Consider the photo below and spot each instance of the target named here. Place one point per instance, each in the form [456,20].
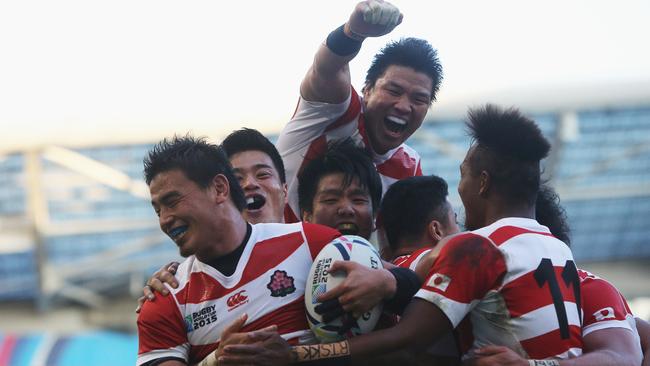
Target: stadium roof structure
[550,98]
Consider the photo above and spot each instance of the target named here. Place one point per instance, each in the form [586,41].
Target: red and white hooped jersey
[517,283]
[314,124]
[268,284]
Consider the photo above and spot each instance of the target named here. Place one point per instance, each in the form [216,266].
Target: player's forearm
[376,343]
[334,55]
[354,351]
[328,80]
[601,358]
[337,353]
[417,329]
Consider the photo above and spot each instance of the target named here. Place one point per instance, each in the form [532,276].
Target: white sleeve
[308,124]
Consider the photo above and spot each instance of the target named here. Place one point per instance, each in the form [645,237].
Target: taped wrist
[342,45]
[408,284]
[322,354]
[543,362]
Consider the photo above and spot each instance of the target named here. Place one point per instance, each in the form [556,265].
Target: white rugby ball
[344,248]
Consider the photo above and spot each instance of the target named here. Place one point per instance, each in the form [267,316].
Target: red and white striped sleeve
[467,268]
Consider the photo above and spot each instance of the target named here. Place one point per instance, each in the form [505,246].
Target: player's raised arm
[328,79]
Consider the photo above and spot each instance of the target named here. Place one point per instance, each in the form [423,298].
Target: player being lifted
[400,86]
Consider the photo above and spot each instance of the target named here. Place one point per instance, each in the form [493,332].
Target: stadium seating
[602,172]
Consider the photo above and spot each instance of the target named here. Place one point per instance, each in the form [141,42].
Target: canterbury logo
[237,300]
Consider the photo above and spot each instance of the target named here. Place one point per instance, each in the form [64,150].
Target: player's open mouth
[255,202]
[348,228]
[178,232]
[395,125]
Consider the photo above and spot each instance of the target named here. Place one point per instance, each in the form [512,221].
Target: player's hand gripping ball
[344,248]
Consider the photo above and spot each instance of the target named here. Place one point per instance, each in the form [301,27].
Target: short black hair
[410,204]
[198,159]
[248,139]
[415,53]
[550,213]
[509,146]
[342,156]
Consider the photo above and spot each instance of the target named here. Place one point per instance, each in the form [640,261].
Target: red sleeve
[160,325]
[602,302]
[318,236]
[470,264]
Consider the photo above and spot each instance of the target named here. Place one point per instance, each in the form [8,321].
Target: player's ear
[484,183]
[306,216]
[365,91]
[220,188]
[285,193]
[435,230]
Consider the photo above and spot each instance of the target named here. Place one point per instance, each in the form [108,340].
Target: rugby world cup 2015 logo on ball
[344,248]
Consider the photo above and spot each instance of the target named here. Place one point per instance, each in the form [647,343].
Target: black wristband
[408,283]
[342,45]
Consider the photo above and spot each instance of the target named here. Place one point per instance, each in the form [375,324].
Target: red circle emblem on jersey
[437,281]
[604,312]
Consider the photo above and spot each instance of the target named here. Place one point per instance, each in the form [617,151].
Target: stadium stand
[76,226]
[97,222]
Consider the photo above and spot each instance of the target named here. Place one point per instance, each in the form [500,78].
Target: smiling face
[347,209]
[265,194]
[396,106]
[186,212]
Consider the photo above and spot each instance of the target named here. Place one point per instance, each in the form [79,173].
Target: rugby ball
[344,248]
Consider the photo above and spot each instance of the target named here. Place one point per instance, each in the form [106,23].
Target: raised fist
[373,18]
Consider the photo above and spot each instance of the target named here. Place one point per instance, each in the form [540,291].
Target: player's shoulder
[411,260]
[402,260]
[317,231]
[318,236]
[159,310]
[463,237]
[263,231]
[592,284]
[587,276]
[312,233]
[409,151]
[466,246]
[184,273]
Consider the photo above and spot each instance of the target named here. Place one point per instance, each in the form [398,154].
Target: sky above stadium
[84,72]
